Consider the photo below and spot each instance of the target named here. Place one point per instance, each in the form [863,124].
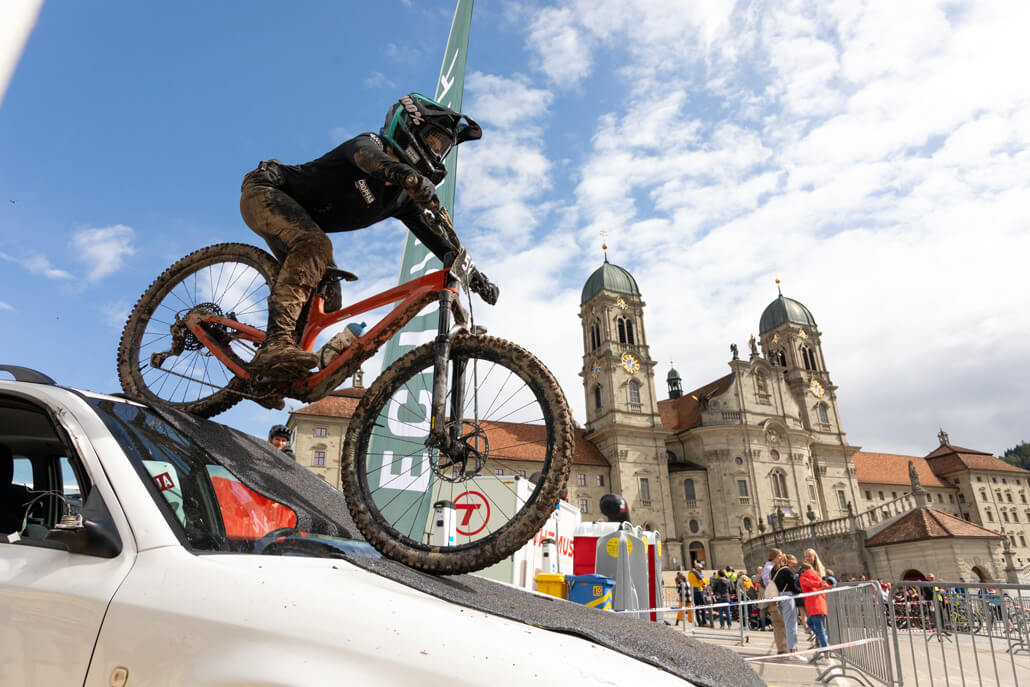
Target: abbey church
[755,457]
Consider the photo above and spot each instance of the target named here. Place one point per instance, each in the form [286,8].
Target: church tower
[792,342]
[622,417]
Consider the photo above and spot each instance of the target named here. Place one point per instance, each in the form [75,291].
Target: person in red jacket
[815,605]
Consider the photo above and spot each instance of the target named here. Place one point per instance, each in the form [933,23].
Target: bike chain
[244,394]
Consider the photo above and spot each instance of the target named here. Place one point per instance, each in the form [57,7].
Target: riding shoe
[280,357]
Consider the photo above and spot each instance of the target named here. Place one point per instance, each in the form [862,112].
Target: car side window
[40,479]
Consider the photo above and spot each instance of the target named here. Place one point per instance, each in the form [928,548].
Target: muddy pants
[302,248]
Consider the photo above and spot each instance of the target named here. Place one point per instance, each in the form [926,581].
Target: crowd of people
[781,576]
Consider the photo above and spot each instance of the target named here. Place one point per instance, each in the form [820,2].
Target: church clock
[630,364]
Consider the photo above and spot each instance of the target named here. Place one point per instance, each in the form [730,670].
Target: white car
[136,552]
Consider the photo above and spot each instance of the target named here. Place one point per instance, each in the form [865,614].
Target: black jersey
[347,189]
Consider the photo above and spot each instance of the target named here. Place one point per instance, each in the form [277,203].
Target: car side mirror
[90,538]
[91,532]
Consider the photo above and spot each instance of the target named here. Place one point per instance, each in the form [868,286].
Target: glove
[421,190]
[478,283]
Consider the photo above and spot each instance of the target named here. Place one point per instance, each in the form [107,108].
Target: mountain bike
[456,420]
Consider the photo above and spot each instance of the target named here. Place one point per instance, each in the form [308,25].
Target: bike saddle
[334,274]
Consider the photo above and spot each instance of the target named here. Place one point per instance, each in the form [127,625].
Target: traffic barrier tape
[753,602]
[818,650]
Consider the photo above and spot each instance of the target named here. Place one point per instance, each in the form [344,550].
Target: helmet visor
[438,141]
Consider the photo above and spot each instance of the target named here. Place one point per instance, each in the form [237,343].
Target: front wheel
[515,422]
[160,360]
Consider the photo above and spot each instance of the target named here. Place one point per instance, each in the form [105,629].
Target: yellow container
[552,584]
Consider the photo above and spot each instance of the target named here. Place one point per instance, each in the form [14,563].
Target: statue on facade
[779,518]
[913,476]
[851,510]
[811,514]
[943,436]
[754,347]
[734,351]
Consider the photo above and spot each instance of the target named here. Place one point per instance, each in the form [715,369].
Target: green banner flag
[400,475]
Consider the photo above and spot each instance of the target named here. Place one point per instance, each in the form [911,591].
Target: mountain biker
[279,436]
[360,182]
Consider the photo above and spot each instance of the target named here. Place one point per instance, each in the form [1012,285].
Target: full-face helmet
[280,431]
[423,132]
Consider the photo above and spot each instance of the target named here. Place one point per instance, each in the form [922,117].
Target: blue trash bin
[591,590]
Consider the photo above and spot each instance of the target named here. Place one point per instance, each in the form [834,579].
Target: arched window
[760,382]
[779,358]
[747,524]
[695,526]
[824,417]
[779,484]
[807,358]
[595,335]
[625,327]
[597,396]
[634,392]
[688,490]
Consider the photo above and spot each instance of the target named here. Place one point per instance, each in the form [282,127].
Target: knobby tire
[510,537]
[129,365]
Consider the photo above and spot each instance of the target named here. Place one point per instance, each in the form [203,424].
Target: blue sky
[873,157]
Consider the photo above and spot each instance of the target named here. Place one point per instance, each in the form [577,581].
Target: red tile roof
[508,440]
[683,413]
[339,403]
[928,523]
[947,458]
[891,468]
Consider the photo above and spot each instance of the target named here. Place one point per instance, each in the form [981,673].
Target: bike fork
[439,436]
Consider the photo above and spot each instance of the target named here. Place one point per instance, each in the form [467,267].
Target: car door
[52,602]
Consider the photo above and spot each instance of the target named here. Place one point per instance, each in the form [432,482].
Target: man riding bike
[360,182]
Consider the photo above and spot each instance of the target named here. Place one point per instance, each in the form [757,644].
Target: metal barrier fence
[857,625]
[958,633]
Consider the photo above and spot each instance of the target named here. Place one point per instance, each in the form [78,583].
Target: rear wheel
[516,422]
[160,360]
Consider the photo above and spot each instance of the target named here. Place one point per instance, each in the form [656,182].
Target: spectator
[280,437]
[696,579]
[721,592]
[682,594]
[815,605]
[779,627]
[771,562]
[786,584]
[829,578]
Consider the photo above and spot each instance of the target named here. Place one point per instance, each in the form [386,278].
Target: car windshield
[212,507]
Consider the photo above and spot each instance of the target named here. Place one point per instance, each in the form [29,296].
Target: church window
[868,495]
[747,524]
[634,392]
[1023,496]
[990,516]
[1008,497]
[842,499]
[807,360]
[881,495]
[779,484]
[1015,516]
[694,526]
[742,487]
[894,494]
[1022,540]
[625,329]
[645,491]
[581,480]
[1005,515]
[779,358]
[824,417]
[811,491]
[629,332]
[597,397]
[584,506]
[595,335]
[688,490]
[774,454]
[738,460]
[622,330]
[599,480]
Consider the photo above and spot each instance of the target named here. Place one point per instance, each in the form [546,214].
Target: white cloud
[103,250]
[875,156]
[6,306]
[38,264]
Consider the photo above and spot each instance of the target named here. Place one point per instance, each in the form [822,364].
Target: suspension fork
[439,437]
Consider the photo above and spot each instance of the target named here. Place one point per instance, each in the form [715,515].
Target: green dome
[673,376]
[784,310]
[610,277]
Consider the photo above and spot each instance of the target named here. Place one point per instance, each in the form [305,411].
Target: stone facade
[758,450]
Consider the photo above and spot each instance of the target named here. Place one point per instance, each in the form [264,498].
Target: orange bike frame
[409,293]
